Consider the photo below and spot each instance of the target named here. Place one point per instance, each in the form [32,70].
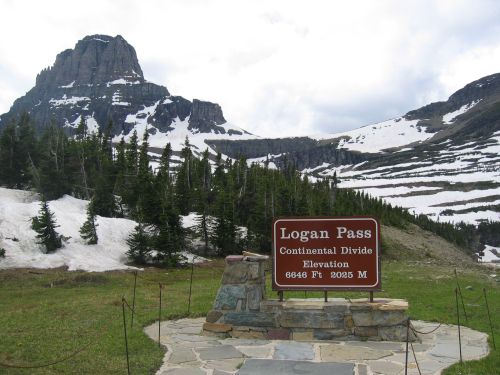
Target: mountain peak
[96,59]
[100,82]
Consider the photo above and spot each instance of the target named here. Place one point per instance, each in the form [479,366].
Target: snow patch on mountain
[491,255]
[140,118]
[425,184]
[180,130]
[117,99]
[101,40]
[266,159]
[449,118]
[68,86]
[375,138]
[71,101]
[73,124]
[122,81]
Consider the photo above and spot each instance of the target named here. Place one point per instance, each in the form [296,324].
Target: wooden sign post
[326,253]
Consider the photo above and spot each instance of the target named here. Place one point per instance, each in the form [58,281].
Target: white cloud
[276,67]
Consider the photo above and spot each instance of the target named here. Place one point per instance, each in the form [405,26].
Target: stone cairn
[241,310]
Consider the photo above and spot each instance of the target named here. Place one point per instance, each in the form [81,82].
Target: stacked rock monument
[241,310]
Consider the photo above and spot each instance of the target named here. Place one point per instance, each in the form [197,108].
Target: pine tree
[130,196]
[148,202]
[121,170]
[203,228]
[88,230]
[27,150]
[81,130]
[103,201]
[168,240]
[18,152]
[54,181]
[203,225]
[45,225]
[8,161]
[183,183]
[224,235]
[139,245]
[131,154]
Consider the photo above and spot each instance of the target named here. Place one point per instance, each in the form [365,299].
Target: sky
[277,67]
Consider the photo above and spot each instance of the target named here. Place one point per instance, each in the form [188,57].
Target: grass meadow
[54,315]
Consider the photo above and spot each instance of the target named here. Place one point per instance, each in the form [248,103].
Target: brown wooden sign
[326,253]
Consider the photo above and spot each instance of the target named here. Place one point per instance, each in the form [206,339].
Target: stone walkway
[192,354]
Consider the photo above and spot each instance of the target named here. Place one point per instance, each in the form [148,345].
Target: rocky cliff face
[96,59]
[99,81]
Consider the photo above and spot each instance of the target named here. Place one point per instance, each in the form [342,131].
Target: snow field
[19,240]
[377,137]
[491,254]
[177,136]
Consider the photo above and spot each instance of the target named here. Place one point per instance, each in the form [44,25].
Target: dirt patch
[418,244]
[84,279]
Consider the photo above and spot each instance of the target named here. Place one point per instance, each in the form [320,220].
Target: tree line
[230,196]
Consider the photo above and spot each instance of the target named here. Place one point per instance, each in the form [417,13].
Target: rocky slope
[99,81]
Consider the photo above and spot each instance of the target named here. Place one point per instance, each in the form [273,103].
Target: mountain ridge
[441,160]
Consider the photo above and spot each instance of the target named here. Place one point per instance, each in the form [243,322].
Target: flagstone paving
[189,353]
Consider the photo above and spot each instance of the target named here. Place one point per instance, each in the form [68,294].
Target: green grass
[48,314]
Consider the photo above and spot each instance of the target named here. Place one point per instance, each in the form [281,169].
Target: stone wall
[242,311]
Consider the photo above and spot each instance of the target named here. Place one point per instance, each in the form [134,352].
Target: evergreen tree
[104,201]
[81,130]
[163,180]
[164,167]
[18,153]
[27,150]
[121,171]
[132,155]
[224,235]
[203,228]
[45,225]
[139,245]
[8,162]
[106,142]
[88,230]
[130,184]
[184,183]
[168,240]
[54,179]
[148,202]
[204,223]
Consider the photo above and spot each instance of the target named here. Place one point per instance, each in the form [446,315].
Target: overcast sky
[277,68]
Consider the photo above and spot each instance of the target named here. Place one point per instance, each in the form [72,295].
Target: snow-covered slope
[491,255]
[452,184]
[377,137]
[19,241]
[442,160]
[21,249]
[180,130]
